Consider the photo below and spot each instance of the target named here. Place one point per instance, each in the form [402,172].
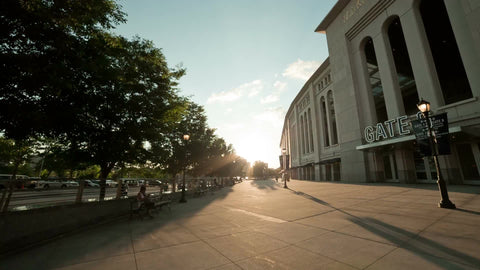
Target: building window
[375,81]
[403,66]
[307,135]
[336,171]
[328,172]
[302,134]
[310,129]
[326,139]
[448,62]
[333,121]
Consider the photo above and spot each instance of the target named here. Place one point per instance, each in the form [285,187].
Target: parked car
[110,183]
[47,184]
[91,183]
[19,182]
[69,183]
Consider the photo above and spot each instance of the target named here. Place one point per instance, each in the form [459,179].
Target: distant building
[351,120]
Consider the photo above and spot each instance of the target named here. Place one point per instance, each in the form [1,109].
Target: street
[28,199]
[261,225]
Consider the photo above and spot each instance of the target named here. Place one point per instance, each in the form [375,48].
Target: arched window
[326,139]
[375,81]
[302,133]
[333,121]
[403,66]
[310,131]
[448,63]
[307,144]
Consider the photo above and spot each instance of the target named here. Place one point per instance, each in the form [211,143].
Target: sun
[253,147]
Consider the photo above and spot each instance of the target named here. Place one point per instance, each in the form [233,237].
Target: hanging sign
[440,141]
[421,135]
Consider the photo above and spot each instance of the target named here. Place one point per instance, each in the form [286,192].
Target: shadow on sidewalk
[427,249]
[468,211]
[264,184]
[423,247]
[119,238]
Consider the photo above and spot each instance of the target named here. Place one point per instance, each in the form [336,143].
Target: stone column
[367,107]
[318,173]
[405,164]
[466,45]
[388,75]
[423,66]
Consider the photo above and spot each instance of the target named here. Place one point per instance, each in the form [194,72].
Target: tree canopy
[96,98]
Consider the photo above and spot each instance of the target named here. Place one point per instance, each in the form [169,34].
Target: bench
[199,192]
[135,210]
[160,201]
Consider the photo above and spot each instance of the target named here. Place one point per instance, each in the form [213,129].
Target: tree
[14,154]
[131,104]
[259,169]
[75,82]
[41,51]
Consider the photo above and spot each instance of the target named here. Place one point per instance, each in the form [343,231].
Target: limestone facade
[345,124]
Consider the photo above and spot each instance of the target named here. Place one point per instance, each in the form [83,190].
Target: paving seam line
[323,255]
[205,242]
[169,246]
[133,245]
[417,235]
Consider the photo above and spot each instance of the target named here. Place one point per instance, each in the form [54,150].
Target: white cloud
[280,86]
[269,99]
[249,89]
[274,116]
[301,69]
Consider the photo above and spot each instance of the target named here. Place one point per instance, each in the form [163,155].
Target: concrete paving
[261,225]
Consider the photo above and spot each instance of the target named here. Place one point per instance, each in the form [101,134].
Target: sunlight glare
[254,147]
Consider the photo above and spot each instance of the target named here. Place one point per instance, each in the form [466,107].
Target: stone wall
[23,228]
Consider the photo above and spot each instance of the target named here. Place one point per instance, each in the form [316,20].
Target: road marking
[266,218]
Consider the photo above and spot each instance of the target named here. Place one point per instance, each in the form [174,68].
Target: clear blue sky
[246,60]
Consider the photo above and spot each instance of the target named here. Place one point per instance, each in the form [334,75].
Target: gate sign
[439,125]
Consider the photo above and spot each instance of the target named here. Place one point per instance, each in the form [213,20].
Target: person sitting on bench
[142,198]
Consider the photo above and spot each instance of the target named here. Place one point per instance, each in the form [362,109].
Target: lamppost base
[446,204]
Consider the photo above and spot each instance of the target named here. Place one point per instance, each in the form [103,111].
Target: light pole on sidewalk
[284,154]
[186,137]
[424,107]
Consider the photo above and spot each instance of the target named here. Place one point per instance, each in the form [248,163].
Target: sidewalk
[261,225]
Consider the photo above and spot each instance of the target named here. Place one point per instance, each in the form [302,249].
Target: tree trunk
[105,169]
[173,183]
[81,187]
[11,187]
[4,194]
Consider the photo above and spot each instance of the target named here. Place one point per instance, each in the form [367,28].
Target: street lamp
[284,154]
[186,137]
[424,107]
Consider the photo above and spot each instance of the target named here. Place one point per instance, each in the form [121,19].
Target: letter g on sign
[369,136]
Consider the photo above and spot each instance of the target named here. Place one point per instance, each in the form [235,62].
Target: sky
[245,60]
